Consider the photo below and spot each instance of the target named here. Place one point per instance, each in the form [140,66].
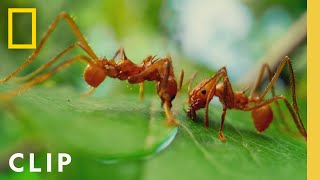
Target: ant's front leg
[223,115]
[221,136]
[228,101]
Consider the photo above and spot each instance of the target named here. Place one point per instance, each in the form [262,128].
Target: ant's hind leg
[48,64]
[285,61]
[293,112]
[53,25]
[45,76]
[266,68]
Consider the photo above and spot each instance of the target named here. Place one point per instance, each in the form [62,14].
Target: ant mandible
[219,86]
[151,69]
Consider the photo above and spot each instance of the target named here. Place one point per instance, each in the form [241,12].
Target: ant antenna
[191,81]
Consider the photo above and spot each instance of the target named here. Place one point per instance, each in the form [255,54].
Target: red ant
[261,112]
[151,69]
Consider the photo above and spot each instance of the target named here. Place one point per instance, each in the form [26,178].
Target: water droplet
[144,153]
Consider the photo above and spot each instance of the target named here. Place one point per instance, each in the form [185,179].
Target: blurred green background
[201,36]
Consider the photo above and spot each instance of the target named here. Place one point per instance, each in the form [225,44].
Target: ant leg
[211,92]
[161,66]
[226,99]
[167,67]
[181,80]
[180,83]
[121,54]
[222,72]
[292,111]
[48,64]
[227,96]
[228,92]
[266,68]
[157,66]
[179,90]
[47,75]
[190,81]
[170,120]
[75,30]
[206,121]
[53,25]
[221,136]
[149,60]
[141,91]
[285,61]
[164,84]
[88,93]
[145,73]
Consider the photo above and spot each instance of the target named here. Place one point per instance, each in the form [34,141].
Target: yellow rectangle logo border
[33,44]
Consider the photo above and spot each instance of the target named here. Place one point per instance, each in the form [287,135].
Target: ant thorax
[233,100]
[240,100]
[127,69]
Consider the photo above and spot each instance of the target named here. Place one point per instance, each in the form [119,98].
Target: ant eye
[204,91]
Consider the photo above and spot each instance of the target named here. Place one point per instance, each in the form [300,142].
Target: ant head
[199,95]
[95,73]
[168,92]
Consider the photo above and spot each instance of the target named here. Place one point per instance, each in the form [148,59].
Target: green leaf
[110,127]
[199,154]
[99,130]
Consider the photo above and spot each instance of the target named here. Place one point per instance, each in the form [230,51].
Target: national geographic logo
[33,44]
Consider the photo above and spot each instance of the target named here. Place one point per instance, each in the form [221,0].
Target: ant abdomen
[94,75]
[262,117]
